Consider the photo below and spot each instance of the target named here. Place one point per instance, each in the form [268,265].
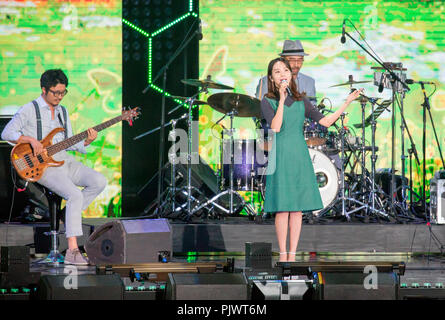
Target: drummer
[294,53]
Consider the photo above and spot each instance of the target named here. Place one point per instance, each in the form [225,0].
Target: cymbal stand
[403,156]
[374,190]
[230,190]
[191,101]
[343,197]
[363,103]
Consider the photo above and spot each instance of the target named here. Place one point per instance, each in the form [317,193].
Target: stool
[54,202]
[36,191]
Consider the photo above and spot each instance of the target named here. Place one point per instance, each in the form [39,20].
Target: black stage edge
[231,235]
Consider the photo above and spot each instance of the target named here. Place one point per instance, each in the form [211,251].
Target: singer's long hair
[272,89]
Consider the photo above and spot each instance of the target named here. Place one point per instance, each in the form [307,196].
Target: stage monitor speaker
[282,290]
[437,200]
[14,259]
[130,241]
[207,286]
[356,286]
[80,287]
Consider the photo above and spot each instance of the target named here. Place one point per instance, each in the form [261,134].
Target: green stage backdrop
[82,37]
[241,37]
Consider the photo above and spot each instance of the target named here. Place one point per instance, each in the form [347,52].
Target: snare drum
[314,134]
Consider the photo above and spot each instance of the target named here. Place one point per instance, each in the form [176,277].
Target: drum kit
[339,160]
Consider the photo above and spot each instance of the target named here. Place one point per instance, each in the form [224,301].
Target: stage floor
[418,247]
[231,234]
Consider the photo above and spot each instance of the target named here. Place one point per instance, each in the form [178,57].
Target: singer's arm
[327,121]
[274,119]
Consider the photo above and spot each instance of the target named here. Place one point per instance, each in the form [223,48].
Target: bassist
[36,120]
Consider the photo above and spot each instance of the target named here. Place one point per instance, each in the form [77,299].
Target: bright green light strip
[135,28]
[166,94]
[150,60]
[171,24]
[150,47]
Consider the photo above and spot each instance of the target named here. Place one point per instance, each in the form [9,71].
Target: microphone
[287,88]
[381,84]
[343,38]
[321,105]
[411,81]
[200,30]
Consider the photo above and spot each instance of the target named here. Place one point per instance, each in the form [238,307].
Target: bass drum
[328,179]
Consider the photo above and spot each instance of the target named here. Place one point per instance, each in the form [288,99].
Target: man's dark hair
[51,78]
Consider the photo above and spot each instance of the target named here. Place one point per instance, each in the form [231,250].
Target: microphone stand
[394,78]
[426,106]
[162,125]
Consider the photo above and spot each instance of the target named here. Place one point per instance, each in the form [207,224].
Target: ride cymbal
[206,83]
[243,105]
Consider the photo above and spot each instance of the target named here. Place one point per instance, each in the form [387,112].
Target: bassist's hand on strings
[36,145]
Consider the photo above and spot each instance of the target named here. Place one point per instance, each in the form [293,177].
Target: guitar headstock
[131,114]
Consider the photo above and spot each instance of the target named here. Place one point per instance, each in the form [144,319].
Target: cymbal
[205,83]
[196,102]
[349,83]
[244,105]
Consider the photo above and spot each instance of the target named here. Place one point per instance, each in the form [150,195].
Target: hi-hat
[207,83]
[196,102]
[243,105]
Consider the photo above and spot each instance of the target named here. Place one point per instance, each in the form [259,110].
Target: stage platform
[412,246]
[231,234]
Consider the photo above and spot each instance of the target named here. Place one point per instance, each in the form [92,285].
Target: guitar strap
[39,120]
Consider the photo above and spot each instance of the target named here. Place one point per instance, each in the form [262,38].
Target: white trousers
[65,180]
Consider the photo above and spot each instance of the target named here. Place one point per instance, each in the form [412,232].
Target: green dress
[291,184]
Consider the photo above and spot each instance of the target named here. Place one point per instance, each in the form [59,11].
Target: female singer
[291,185]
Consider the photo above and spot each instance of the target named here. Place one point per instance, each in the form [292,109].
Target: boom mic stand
[426,106]
[394,78]
[162,125]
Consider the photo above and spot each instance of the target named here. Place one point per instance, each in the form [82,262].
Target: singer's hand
[282,89]
[354,95]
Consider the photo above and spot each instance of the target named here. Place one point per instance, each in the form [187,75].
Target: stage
[348,246]
[230,235]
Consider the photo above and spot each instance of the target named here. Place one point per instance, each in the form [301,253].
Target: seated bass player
[37,119]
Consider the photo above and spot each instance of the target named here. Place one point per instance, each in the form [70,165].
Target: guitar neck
[65,144]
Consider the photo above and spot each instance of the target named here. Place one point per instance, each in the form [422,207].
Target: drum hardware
[230,191]
[342,199]
[163,72]
[206,83]
[244,105]
[350,82]
[395,71]
[186,99]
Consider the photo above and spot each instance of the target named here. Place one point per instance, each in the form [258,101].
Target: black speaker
[282,290]
[130,241]
[81,287]
[383,179]
[15,259]
[207,286]
[355,286]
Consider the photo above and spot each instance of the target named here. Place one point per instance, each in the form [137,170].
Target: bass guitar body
[30,167]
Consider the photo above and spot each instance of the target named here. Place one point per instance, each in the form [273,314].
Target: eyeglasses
[58,93]
[295,60]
